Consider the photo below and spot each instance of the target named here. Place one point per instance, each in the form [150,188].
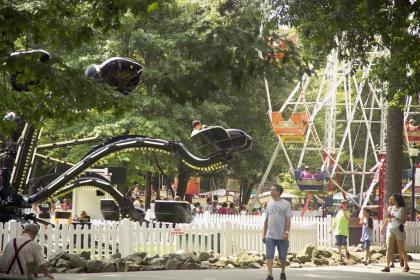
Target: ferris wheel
[337,120]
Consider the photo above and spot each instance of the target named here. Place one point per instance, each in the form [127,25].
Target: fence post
[227,231]
[125,240]
[327,230]
[15,229]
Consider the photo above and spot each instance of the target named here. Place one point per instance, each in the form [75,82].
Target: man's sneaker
[283,276]
[269,277]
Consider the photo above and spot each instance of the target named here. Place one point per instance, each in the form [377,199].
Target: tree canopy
[200,61]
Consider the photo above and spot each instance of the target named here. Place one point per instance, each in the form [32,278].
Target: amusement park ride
[334,123]
[19,152]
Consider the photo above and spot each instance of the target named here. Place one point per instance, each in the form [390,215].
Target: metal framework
[343,112]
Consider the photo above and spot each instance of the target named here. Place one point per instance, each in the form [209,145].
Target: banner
[291,130]
[193,186]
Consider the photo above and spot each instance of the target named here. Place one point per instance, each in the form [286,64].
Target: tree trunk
[394,152]
[240,191]
[246,188]
[155,186]
[148,190]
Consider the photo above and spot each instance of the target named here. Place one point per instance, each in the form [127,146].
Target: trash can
[355,231]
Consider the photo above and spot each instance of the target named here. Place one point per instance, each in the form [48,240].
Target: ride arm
[124,204]
[24,157]
[123,143]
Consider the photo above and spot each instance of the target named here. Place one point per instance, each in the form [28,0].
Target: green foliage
[200,62]
[57,25]
[356,27]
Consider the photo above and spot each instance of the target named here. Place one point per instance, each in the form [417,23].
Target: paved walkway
[359,272]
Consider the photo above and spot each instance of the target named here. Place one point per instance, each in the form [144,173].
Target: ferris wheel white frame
[336,74]
[333,70]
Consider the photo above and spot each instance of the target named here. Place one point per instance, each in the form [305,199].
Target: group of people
[47,208]
[276,229]
[278,222]
[213,207]
[393,228]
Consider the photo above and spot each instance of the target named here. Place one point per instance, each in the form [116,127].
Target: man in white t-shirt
[276,230]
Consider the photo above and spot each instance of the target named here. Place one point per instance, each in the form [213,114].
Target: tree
[60,27]
[354,28]
[200,62]
[203,55]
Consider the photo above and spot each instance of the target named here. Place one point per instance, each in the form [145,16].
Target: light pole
[413,153]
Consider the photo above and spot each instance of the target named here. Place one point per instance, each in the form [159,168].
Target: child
[367,232]
[340,227]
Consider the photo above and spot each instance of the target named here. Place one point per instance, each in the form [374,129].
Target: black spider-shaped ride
[216,144]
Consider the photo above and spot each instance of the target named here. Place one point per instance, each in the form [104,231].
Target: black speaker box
[119,175]
[110,210]
[173,211]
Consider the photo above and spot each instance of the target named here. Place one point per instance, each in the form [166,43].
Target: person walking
[23,252]
[395,231]
[340,227]
[276,230]
[367,233]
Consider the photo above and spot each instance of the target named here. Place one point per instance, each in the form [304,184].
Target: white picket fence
[412,234]
[304,231]
[315,213]
[225,234]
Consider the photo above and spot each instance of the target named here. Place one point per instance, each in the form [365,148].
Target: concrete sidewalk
[357,272]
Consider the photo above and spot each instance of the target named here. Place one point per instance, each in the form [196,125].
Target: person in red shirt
[232,210]
[223,210]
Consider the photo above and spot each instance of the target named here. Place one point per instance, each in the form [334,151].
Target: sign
[177,232]
[233,185]
[291,130]
[417,175]
[414,137]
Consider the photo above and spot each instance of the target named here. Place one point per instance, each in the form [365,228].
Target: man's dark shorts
[341,240]
[282,247]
